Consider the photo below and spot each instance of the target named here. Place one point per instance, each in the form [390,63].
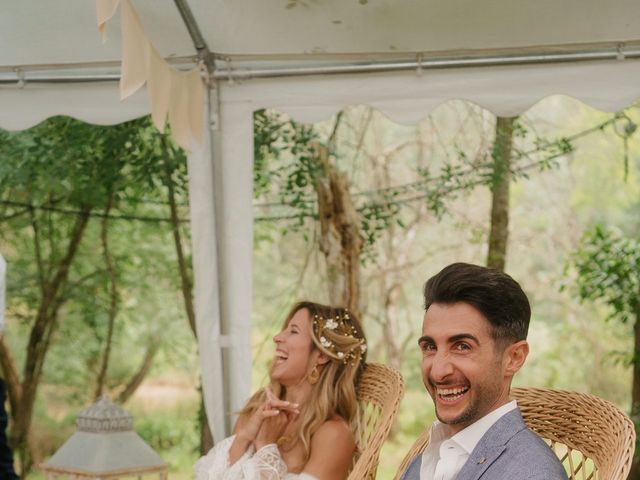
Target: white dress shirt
[445,456]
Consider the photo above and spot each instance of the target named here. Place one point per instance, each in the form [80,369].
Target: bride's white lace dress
[265,464]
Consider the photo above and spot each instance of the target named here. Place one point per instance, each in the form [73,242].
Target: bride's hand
[273,427]
[269,409]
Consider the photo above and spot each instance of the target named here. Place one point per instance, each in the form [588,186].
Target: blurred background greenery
[422,198]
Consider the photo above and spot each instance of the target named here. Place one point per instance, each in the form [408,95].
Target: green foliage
[376,217]
[286,170]
[276,137]
[625,133]
[166,431]
[63,159]
[608,268]
[48,175]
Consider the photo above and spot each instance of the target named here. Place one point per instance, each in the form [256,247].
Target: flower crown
[339,325]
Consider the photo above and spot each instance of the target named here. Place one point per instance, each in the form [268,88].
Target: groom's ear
[514,357]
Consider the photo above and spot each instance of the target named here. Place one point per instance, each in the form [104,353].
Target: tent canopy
[282,54]
[34,33]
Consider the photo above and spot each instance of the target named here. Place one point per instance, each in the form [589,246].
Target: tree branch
[140,375]
[113,306]
[185,280]
[10,371]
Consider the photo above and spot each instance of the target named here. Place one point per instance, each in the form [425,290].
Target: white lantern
[105,446]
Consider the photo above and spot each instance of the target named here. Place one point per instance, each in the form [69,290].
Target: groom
[473,342]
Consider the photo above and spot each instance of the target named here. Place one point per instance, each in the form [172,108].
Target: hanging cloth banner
[178,95]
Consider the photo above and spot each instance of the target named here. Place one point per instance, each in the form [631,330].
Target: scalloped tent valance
[286,54]
[405,97]
[45,41]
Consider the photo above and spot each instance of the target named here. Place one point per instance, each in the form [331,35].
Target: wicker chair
[379,393]
[592,438]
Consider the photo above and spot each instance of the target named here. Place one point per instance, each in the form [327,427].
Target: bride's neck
[298,393]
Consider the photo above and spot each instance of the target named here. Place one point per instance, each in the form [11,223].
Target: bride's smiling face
[295,353]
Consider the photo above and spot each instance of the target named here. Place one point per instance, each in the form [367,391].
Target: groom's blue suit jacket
[507,451]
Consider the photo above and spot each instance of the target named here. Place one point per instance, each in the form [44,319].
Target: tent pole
[206,232]
[218,413]
[352,68]
[217,197]
[196,35]
[432,64]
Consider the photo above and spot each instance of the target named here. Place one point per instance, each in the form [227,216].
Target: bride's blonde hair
[338,334]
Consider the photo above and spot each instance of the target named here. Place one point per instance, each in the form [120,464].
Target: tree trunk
[139,376]
[635,396]
[499,233]
[206,436]
[113,307]
[39,342]
[340,239]
[185,279]
[634,474]
[10,373]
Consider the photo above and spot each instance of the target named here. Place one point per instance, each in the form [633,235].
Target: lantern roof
[104,444]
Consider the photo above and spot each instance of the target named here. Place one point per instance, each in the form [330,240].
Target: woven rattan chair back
[379,393]
[592,438]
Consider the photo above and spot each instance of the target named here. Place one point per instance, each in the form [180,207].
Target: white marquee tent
[309,58]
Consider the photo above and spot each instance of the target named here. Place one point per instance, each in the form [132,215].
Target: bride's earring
[313,376]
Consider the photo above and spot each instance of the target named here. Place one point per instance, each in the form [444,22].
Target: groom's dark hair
[493,293]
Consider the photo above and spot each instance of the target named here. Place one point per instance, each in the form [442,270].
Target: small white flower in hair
[331,324]
[363,348]
[325,343]
[340,355]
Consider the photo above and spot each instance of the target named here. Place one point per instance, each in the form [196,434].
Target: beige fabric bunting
[178,95]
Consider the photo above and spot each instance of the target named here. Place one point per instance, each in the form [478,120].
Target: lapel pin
[482,460]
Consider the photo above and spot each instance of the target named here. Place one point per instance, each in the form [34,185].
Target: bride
[301,426]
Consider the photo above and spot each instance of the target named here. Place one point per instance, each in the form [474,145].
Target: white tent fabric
[407,97]
[45,39]
[98,103]
[339,27]
[33,32]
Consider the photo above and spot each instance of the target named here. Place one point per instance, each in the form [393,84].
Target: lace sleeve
[215,464]
[266,464]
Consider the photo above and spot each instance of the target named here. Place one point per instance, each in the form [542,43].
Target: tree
[608,270]
[60,162]
[499,231]
[54,179]
[364,226]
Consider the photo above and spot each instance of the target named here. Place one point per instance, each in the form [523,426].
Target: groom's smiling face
[463,368]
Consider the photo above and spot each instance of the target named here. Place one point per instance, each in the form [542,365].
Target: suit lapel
[413,470]
[479,460]
[492,445]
